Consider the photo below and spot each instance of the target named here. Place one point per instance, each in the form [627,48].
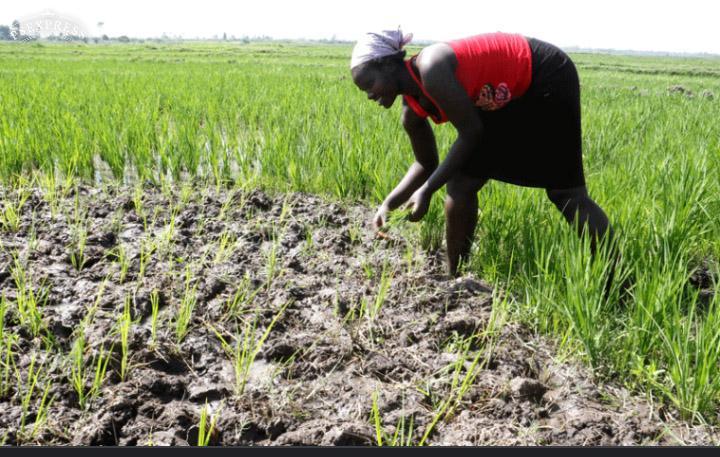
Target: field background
[282,116]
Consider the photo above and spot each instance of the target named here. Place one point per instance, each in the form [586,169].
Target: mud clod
[525,388]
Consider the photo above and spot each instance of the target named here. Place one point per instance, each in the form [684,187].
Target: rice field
[97,141]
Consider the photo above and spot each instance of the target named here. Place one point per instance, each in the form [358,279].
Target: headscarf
[373,45]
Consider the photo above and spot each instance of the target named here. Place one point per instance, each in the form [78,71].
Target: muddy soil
[358,318]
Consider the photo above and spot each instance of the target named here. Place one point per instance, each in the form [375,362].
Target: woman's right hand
[380,217]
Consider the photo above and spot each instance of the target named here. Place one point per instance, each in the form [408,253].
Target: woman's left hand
[419,203]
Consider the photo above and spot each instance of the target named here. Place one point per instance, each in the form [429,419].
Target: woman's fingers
[379,218]
[379,221]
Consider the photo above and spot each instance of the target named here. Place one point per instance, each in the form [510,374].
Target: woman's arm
[439,80]
[424,147]
[438,77]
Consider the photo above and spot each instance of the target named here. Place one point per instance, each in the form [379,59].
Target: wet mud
[365,333]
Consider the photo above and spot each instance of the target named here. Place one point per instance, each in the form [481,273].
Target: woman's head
[377,64]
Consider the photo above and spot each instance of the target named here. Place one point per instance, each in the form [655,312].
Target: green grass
[288,117]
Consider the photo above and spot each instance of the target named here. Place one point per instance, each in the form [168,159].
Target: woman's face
[377,84]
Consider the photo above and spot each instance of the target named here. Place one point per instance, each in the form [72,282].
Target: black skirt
[536,139]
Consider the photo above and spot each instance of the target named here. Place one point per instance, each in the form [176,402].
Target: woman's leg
[461,212]
[578,208]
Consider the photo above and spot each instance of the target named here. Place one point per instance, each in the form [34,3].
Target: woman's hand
[380,217]
[419,204]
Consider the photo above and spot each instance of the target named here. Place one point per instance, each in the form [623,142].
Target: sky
[641,25]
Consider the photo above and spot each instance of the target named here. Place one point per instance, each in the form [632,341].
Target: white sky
[646,25]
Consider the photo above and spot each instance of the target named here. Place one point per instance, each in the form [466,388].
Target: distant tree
[224,36]
[105,37]
[15,30]
[5,33]
[123,39]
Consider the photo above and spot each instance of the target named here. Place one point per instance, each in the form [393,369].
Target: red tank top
[493,68]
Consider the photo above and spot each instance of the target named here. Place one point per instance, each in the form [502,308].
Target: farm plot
[243,318]
[108,286]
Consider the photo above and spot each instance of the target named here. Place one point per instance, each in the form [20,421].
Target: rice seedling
[3,311]
[355,232]
[432,230]
[77,367]
[410,258]
[139,205]
[28,390]
[309,244]
[186,192]
[187,305]
[236,304]
[246,348]
[147,249]
[78,237]
[124,325]
[7,351]
[90,314]
[10,216]
[460,384]
[116,222]
[49,186]
[167,234]
[370,309]
[368,268]
[383,289]
[122,260]
[271,262]
[32,239]
[225,247]
[235,199]
[403,434]
[29,302]
[205,430]
[79,374]
[154,309]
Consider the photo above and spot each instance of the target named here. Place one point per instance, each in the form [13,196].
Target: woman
[515,103]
